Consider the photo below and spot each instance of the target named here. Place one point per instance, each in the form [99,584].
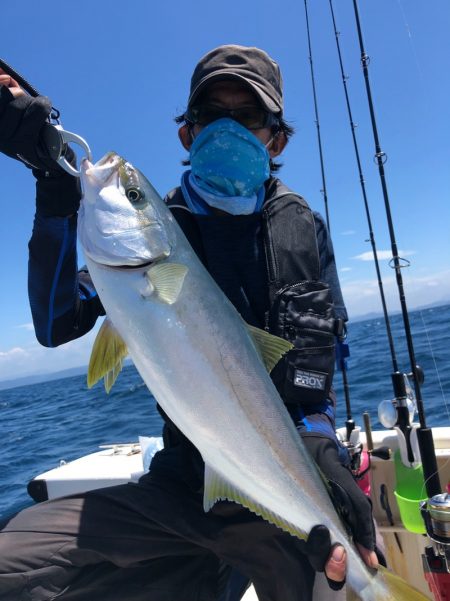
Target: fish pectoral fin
[167,280]
[107,356]
[271,348]
[218,488]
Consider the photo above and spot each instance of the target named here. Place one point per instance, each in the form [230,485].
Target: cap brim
[224,74]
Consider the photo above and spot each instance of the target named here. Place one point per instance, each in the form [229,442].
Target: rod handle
[368,429]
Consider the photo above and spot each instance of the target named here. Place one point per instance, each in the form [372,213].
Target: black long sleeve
[63,300]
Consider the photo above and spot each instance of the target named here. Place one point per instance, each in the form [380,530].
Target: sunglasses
[251,117]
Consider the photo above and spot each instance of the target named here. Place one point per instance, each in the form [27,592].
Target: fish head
[121,222]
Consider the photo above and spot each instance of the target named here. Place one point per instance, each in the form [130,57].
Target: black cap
[252,66]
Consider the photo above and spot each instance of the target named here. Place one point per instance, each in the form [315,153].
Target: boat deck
[121,463]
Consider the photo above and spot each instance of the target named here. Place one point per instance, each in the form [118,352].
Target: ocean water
[41,424]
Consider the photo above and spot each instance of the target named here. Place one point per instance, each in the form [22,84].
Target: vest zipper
[281,290]
[268,247]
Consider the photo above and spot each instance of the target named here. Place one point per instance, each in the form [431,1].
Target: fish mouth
[134,265]
[143,266]
[121,252]
[104,169]
[123,232]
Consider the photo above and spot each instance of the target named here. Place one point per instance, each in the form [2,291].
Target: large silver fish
[204,366]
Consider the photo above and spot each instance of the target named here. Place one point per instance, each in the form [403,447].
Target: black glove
[318,549]
[349,500]
[21,121]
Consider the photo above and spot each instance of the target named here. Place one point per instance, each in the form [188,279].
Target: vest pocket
[308,375]
[303,314]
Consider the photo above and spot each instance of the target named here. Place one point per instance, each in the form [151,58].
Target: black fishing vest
[301,307]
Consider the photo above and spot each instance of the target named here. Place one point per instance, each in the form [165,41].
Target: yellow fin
[399,589]
[219,489]
[271,348]
[387,586]
[107,355]
[167,279]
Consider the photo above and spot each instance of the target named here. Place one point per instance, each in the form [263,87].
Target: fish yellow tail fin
[387,586]
[398,589]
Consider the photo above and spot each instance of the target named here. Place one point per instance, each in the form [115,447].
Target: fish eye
[134,195]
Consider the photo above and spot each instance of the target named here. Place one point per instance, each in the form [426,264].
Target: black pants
[148,541]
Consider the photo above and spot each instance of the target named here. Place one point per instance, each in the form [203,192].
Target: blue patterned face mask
[227,160]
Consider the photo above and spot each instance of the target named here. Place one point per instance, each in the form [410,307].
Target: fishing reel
[360,460]
[436,559]
[436,516]
[399,414]
[388,411]
[353,445]
[355,452]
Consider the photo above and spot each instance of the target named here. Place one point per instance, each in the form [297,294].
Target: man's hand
[21,120]
[10,83]
[332,559]
[336,566]
[354,507]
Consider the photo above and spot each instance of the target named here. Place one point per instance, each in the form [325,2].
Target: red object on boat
[435,572]
[363,476]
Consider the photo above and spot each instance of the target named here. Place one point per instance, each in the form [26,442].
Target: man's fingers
[370,557]
[11,84]
[7,80]
[336,565]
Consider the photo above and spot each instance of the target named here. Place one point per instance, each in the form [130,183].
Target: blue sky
[120,74]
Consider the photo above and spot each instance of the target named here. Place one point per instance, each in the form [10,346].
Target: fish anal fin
[107,356]
[219,489]
[167,280]
[271,348]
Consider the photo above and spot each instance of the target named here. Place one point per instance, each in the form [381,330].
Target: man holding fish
[273,259]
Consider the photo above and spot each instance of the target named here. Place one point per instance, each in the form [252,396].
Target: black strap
[290,238]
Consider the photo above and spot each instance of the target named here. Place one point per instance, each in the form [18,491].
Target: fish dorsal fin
[271,348]
[219,489]
[107,356]
[167,280]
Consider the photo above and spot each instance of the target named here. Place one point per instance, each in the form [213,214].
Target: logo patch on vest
[310,379]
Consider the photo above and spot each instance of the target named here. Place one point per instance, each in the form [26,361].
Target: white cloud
[32,358]
[348,233]
[13,353]
[382,255]
[26,326]
[363,296]
[344,269]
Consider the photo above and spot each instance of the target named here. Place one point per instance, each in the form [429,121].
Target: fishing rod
[399,388]
[424,433]
[342,350]
[316,111]
[364,194]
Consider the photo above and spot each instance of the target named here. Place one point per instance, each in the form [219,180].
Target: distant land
[43,377]
[76,371]
[378,315]
[48,377]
